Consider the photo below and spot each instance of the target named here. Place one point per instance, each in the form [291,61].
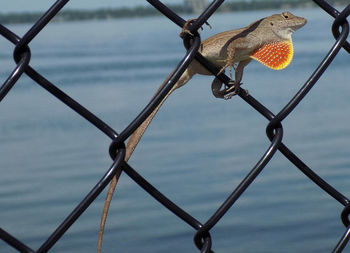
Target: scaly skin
[224,50]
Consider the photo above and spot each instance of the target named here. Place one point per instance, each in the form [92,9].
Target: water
[196,151]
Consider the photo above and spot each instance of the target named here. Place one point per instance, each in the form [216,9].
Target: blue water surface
[196,151]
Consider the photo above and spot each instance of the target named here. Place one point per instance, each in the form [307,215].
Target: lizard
[267,40]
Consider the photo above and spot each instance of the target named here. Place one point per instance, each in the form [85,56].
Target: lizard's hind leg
[238,76]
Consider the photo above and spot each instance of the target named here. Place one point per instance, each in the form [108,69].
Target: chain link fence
[274,129]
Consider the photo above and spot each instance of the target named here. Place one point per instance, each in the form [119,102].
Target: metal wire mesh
[274,129]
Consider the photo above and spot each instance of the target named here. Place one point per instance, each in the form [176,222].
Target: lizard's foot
[230,92]
[188,22]
[184,28]
[233,89]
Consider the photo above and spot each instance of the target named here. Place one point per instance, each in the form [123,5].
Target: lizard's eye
[271,23]
[285,15]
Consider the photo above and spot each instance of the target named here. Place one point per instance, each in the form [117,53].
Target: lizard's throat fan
[276,55]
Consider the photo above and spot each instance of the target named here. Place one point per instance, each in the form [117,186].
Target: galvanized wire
[274,129]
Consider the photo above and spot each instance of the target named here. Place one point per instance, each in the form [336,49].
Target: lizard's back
[212,46]
[212,49]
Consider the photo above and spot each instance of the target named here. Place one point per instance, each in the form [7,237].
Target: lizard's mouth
[297,26]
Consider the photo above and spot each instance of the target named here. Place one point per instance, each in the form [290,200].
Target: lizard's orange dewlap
[276,55]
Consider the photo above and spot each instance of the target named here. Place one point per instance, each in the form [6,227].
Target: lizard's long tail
[130,147]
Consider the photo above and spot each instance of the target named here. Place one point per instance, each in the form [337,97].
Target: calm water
[196,151]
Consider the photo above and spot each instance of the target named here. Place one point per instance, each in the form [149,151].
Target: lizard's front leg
[228,55]
[238,78]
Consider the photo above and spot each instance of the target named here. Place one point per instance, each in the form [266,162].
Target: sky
[41,5]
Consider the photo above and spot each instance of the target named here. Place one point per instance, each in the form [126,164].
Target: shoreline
[147,11]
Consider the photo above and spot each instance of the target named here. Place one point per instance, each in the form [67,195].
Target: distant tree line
[143,11]
[272,4]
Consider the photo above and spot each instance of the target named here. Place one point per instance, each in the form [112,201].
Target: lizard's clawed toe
[246,92]
[229,95]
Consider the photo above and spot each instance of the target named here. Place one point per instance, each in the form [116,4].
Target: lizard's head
[277,49]
[284,24]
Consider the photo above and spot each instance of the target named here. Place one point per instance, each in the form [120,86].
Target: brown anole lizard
[267,40]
